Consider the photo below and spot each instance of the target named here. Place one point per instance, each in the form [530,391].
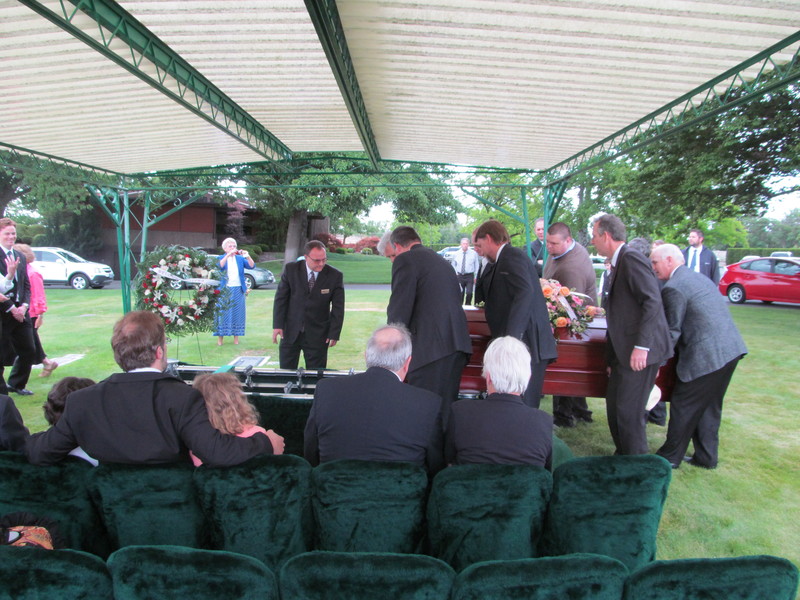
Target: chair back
[487,512]
[36,573]
[59,492]
[608,505]
[575,576]
[147,572]
[261,508]
[148,504]
[369,506]
[287,414]
[740,578]
[364,576]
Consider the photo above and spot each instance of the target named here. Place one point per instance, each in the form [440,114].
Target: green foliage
[763,232]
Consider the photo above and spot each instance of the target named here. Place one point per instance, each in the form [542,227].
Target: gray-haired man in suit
[708,347]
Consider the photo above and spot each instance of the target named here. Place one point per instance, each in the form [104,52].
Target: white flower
[162,262]
[147,292]
[180,321]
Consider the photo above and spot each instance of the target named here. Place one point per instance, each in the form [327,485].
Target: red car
[765,279]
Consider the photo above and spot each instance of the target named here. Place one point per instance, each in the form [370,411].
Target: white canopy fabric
[521,84]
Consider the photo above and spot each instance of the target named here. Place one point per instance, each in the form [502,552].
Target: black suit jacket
[501,429]
[374,416]
[13,432]
[537,248]
[426,298]
[709,265]
[21,293]
[635,311]
[320,313]
[515,304]
[141,418]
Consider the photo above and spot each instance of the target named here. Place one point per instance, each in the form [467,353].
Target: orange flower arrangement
[567,308]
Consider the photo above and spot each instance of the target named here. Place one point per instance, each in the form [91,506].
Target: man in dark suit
[143,416]
[515,304]
[538,245]
[500,429]
[637,339]
[17,329]
[699,258]
[308,311]
[708,347]
[426,298]
[374,415]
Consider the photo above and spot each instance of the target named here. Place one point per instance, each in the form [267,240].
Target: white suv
[64,267]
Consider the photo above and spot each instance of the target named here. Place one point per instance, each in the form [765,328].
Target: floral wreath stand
[181,316]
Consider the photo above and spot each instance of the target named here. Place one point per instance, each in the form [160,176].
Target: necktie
[311,281]
[693,261]
[463,260]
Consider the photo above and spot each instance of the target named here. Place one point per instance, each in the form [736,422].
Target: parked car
[59,266]
[765,279]
[447,253]
[781,253]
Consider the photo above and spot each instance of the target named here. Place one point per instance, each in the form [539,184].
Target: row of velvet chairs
[157,572]
[273,508]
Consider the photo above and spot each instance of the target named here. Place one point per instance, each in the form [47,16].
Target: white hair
[229,241]
[508,361]
[671,250]
[389,347]
[384,241]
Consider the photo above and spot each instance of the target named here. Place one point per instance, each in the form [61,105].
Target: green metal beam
[325,17]
[22,159]
[696,106]
[142,48]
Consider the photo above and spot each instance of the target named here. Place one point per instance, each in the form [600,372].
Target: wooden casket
[579,370]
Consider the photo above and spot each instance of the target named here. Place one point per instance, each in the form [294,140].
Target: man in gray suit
[708,346]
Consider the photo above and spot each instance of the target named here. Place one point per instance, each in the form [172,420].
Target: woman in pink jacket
[37,309]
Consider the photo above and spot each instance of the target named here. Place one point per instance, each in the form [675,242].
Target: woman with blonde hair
[229,411]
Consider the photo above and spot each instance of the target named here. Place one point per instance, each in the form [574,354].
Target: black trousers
[443,377]
[694,415]
[315,353]
[533,393]
[565,408]
[626,401]
[467,283]
[17,337]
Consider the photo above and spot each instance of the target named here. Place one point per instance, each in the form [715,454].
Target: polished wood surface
[579,370]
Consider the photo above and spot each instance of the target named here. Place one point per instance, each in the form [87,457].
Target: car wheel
[79,281]
[176,284]
[736,294]
[250,282]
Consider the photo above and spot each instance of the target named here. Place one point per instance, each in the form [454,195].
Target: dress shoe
[20,392]
[700,465]
[659,422]
[562,422]
[584,418]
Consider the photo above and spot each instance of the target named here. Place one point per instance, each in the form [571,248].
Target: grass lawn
[355,268]
[743,507]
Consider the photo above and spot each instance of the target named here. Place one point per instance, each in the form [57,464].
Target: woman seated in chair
[57,400]
[501,429]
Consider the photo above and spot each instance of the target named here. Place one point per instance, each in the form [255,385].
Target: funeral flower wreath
[181,316]
[567,308]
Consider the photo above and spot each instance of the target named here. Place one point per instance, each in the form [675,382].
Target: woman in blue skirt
[230,317]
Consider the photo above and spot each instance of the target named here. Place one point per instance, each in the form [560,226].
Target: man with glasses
[308,311]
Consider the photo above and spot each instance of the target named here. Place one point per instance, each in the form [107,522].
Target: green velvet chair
[741,578]
[39,574]
[261,508]
[561,453]
[286,414]
[366,506]
[607,505]
[364,576]
[175,572]
[59,492]
[487,512]
[572,577]
[148,504]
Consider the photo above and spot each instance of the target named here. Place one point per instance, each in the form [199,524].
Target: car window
[46,256]
[70,257]
[765,266]
[784,267]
